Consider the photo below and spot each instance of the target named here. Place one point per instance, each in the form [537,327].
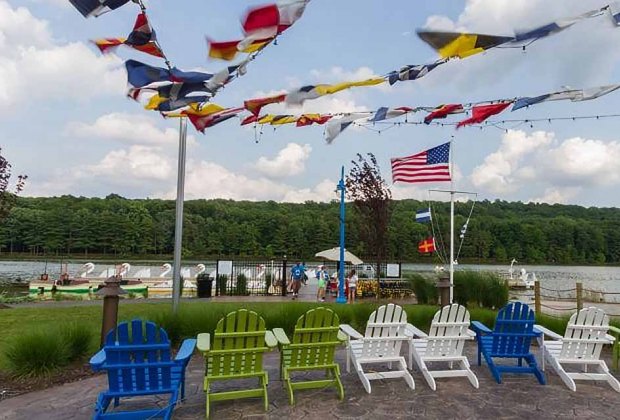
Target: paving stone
[519,396]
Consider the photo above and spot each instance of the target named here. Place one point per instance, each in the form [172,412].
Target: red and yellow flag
[427,245]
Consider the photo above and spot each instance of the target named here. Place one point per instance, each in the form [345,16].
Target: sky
[65,120]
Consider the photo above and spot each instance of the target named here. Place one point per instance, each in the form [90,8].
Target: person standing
[323,277]
[297,275]
[352,286]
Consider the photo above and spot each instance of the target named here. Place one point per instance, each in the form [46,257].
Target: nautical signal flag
[427,245]
[96,8]
[432,165]
[142,38]
[481,112]
[423,216]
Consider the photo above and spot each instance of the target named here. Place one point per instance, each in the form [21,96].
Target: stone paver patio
[518,397]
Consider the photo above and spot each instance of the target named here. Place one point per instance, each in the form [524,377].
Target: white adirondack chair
[381,343]
[581,346]
[444,343]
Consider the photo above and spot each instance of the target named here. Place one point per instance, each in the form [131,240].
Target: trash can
[443,287]
[204,285]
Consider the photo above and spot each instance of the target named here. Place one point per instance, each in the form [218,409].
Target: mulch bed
[11,386]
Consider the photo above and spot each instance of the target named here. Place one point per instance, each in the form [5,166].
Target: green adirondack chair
[239,342]
[316,336]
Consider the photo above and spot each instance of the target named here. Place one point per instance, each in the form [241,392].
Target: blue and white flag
[423,216]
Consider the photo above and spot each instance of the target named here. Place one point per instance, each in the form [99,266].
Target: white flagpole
[178,228]
[451,224]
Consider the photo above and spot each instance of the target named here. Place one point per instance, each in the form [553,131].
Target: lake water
[606,279]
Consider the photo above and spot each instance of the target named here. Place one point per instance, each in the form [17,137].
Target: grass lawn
[199,316]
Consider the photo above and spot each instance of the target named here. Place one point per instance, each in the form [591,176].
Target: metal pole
[451,220]
[341,297]
[178,228]
[451,247]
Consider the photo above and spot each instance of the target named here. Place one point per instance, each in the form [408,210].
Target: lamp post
[341,297]
[110,291]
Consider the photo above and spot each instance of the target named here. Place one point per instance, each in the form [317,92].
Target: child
[323,277]
[352,286]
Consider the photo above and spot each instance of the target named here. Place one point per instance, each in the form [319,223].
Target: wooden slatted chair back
[584,334]
[513,331]
[448,331]
[238,344]
[315,338]
[138,360]
[385,331]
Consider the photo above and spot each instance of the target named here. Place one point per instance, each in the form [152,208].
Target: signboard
[224,267]
[393,270]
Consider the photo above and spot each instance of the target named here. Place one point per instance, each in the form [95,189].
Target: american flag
[431,165]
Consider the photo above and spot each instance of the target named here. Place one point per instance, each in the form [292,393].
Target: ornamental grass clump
[79,340]
[36,353]
[481,289]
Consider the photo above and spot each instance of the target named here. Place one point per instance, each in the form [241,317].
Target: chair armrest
[471,334]
[479,327]
[97,361]
[204,342]
[413,331]
[547,332]
[342,337]
[270,339]
[610,338]
[281,336]
[186,350]
[350,331]
[614,330]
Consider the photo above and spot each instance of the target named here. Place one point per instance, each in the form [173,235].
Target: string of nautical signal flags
[178,93]
[260,22]
[498,124]
[464,44]
[449,46]
[173,88]
[335,123]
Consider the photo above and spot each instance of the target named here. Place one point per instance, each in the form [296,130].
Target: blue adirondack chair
[510,339]
[138,363]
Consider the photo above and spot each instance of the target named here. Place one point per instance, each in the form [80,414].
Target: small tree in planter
[371,198]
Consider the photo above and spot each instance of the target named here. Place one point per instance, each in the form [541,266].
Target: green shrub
[241,288]
[79,340]
[36,353]
[221,281]
[425,290]
[480,289]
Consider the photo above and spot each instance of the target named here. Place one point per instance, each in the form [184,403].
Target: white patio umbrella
[333,254]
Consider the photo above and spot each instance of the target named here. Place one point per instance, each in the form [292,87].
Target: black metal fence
[266,277]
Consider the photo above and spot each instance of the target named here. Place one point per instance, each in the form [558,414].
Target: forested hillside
[498,231]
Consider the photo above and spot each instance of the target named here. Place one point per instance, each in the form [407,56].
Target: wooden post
[579,295]
[537,302]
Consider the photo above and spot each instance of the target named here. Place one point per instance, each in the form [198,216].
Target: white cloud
[33,67]
[136,163]
[128,128]
[212,180]
[499,172]
[556,195]
[290,161]
[324,191]
[585,162]
[562,168]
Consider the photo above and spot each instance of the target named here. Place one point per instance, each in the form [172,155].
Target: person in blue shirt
[297,275]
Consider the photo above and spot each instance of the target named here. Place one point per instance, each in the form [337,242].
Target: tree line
[114,226]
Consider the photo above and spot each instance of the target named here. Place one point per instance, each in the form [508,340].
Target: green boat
[41,288]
